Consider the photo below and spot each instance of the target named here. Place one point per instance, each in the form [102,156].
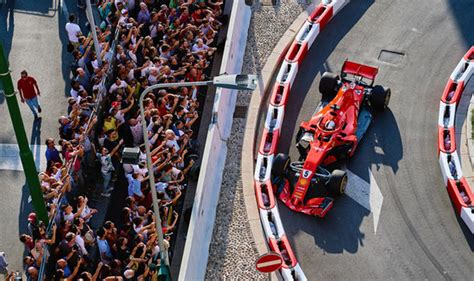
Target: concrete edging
[252,123]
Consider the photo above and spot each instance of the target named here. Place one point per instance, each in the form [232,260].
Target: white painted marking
[10,157]
[268,263]
[366,194]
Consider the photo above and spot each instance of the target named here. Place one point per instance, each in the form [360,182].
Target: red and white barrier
[271,221]
[269,142]
[467,216]
[264,193]
[263,168]
[274,118]
[287,73]
[450,166]
[447,114]
[457,186]
[266,201]
[280,94]
[446,140]
[308,33]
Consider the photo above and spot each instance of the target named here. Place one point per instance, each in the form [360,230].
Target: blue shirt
[134,186]
[52,154]
[104,248]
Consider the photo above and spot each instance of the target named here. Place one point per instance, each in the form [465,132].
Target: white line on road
[366,194]
[10,157]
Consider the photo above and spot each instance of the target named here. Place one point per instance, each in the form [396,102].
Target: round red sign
[269,262]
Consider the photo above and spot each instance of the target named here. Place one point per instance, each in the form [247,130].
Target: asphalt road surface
[418,235]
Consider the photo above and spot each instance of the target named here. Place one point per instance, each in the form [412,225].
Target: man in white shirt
[119,84]
[73,31]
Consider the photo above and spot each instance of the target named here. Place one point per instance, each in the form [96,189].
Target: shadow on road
[7,25]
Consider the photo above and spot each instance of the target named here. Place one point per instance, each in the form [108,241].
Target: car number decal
[306,174]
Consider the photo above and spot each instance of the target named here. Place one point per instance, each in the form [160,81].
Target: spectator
[73,31]
[104,247]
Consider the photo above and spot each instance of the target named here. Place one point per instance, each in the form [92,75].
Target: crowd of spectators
[158,42]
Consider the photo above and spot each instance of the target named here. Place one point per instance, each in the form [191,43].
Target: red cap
[32,217]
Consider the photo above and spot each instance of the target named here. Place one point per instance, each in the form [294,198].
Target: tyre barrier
[292,57]
[456,184]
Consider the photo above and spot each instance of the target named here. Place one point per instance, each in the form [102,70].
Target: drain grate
[240,111]
[391,56]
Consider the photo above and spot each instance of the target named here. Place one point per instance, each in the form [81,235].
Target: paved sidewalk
[464,129]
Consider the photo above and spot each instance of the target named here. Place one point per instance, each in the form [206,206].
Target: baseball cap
[32,217]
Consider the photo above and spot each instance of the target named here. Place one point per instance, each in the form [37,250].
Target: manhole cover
[393,57]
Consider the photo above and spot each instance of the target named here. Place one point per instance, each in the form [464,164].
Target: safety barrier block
[287,72]
[264,195]
[282,247]
[447,114]
[272,225]
[298,272]
[450,166]
[297,52]
[459,70]
[446,140]
[280,94]
[263,167]
[322,14]
[308,33]
[338,5]
[460,193]
[467,215]
[469,55]
[269,142]
[452,92]
[287,274]
[274,118]
[467,73]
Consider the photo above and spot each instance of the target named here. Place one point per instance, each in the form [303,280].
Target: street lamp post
[239,82]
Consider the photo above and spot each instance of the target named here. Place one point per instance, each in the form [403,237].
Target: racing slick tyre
[280,165]
[328,86]
[380,98]
[337,183]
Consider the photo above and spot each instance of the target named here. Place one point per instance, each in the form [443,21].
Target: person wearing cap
[32,227]
[29,93]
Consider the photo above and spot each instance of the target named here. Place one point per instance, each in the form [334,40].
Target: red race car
[332,134]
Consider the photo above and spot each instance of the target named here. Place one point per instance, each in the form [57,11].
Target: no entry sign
[269,262]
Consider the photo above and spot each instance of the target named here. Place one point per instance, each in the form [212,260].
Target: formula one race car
[332,134]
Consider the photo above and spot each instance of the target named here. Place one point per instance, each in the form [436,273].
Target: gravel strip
[232,251]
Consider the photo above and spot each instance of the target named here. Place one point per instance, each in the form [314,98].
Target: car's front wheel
[338,182]
[280,165]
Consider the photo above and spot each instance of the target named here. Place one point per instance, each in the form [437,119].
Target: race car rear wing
[359,70]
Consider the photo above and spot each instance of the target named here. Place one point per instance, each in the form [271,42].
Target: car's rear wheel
[280,165]
[380,98]
[338,182]
[328,86]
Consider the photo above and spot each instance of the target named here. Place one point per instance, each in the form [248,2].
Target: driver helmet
[330,125]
